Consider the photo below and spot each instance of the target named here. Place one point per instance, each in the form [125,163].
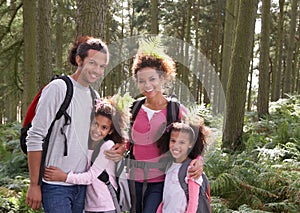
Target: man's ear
[78,60]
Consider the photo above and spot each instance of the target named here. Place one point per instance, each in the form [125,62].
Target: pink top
[145,134]
[98,197]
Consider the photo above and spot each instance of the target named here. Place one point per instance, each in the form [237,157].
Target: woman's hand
[196,168]
[116,152]
[54,174]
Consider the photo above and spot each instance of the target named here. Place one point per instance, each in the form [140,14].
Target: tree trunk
[264,81]
[237,82]
[227,41]
[154,16]
[59,37]
[287,85]
[30,54]
[276,74]
[91,18]
[44,41]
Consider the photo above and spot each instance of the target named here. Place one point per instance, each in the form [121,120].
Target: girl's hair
[198,136]
[85,43]
[165,66]
[106,109]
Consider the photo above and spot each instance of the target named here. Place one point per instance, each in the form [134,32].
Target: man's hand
[196,168]
[34,197]
[116,152]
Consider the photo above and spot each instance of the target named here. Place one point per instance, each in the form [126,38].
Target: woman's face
[149,82]
[100,128]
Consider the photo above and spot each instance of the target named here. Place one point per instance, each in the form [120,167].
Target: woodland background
[253,46]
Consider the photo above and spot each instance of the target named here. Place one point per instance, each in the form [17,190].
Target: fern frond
[152,46]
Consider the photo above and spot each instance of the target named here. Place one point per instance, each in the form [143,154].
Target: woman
[151,71]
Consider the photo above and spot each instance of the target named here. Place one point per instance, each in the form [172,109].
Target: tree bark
[276,74]
[44,49]
[30,54]
[91,18]
[264,81]
[237,82]
[154,17]
[287,85]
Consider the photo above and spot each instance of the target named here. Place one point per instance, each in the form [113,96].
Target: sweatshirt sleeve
[95,170]
[51,99]
[160,207]
[193,188]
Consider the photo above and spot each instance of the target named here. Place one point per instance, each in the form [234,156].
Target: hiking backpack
[121,196]
[32,107]
[204,191]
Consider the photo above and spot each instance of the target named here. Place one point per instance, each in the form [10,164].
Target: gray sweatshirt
[77,132]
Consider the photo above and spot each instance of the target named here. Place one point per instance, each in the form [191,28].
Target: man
[90,56]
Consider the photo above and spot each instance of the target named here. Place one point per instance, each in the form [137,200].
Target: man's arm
[34,194]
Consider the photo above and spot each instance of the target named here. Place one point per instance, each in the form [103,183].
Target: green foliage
[265,177]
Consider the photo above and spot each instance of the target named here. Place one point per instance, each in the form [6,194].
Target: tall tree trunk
[287,85]
[91,18]
[44,41]
[264,81]
[276,74]
[30,54]
[227,42]
[59,37]
[154,16]
[238,74]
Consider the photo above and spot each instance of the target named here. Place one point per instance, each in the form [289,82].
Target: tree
[237,82]
[154,17]
[44,49]
[264,82]
[276,74]
[91,18]
[287,85]
[30,54]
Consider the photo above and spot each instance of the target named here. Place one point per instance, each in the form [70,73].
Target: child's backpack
[121,197]
[204,191]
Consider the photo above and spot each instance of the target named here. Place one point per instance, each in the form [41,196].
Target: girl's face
[179,145]
[92,67]
[149,82]
[100,128]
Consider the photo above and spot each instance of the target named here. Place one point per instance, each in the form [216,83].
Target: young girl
[105,131]
[185,142]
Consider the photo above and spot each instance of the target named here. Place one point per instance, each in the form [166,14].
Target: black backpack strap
[172,111]
[181,177]
[59,114]
[134,109]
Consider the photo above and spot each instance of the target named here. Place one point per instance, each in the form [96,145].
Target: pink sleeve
[193,188]
[87,178]
[159,209]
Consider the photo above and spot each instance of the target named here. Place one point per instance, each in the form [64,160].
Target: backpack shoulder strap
[181,176]
[135,108]
[68,97]
[172,111]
